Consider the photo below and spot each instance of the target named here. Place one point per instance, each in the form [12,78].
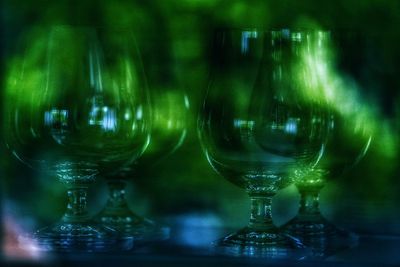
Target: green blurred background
[180,33]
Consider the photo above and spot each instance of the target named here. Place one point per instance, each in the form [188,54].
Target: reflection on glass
[65,113]
[263,118]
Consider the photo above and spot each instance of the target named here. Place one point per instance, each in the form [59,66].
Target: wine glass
[170,107]
[262,119]
[349,140]
[342,153]
[77,105]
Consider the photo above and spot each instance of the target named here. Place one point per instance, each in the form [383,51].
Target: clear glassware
[263,117]
[77,105]
[349,140]
[323,237]
[170,107]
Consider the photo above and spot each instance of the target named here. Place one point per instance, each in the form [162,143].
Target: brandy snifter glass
[350,136]
[170,110]
[264,116]
[347,145]
[77,106]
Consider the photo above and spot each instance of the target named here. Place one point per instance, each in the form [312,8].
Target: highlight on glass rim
[200,132]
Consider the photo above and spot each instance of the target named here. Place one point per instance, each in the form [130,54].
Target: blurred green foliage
[179,33]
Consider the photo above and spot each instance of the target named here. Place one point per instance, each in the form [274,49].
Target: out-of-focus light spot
[104,117]
[238,123]
[198,230]
[56,116]
[93,115]
[109,120]
[187,103]
[16,243]
[170,124]
[139,113]
[286,33]
[246,35]
[127,115]
[297,36]
[291,125]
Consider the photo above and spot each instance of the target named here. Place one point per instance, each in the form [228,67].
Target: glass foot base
[130,224]
[76,237]
[254,243]
[321,236]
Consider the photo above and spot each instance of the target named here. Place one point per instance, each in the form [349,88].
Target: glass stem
[309,202]
[116,197]
[261,212]
[77,205]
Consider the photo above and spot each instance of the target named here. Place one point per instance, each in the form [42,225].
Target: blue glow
[56,116]
[238,123]
[246,35]
[291,125]
[198,230]
[139,113]
[109,120]
[104,117]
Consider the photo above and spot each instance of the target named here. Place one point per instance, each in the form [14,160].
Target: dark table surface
[191,247]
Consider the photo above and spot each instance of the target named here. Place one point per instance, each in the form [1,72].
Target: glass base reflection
[322,237]
[131,225]
[76,237]
[248,242]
